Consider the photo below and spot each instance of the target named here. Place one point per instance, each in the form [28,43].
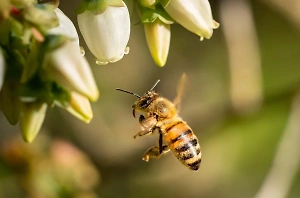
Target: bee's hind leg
[154,152]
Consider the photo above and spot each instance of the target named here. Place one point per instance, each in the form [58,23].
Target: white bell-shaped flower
[72,70]
[194,15]
[65,27]
[106,34]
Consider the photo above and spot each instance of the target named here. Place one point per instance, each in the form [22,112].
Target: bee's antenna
[155,84]
[128,92]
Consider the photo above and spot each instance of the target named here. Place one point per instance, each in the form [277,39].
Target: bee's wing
[181,86]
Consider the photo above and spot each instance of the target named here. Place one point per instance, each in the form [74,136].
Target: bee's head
[143,102]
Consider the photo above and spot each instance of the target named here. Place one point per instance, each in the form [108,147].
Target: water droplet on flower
[99,62]
[82,52]
[126,51]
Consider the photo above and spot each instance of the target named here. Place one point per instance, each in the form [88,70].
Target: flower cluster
[41,66]
[105,25]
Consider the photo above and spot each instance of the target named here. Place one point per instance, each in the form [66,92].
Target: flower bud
[2,69]
[106,34]
[31,119]
[65,26]
[79,107]
[158,37]
[194,15]
[71,69]
[10,103]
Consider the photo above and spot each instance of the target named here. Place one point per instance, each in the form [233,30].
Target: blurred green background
[241,101]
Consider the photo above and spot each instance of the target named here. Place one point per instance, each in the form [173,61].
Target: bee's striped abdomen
[183,142]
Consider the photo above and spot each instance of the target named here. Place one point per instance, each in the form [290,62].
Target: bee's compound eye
[145,103]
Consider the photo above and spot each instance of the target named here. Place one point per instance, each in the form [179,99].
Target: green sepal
[97,6]
[54,41]
[164,3]
[41,16]
[36,83]
[82,7]
[14,34]
[19,36]
[60,95]
[148,3]
[45,90]
[149,15]
[35,90]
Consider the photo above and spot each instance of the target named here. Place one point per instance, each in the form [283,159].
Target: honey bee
[160,114]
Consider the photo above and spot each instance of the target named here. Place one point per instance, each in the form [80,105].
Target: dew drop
[82,52]
[98,62]
[126,51]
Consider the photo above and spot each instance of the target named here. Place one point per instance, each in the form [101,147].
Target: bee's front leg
[147,124]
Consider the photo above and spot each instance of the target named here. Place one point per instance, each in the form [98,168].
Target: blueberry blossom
[65,27]
[194,15]
[106,31]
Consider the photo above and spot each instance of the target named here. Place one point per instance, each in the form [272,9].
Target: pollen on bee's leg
[146,158]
